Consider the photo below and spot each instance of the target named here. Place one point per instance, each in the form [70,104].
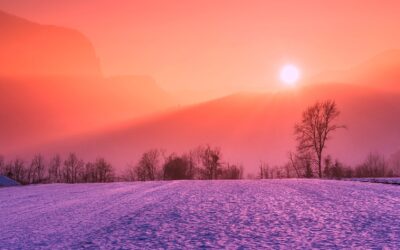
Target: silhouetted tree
[2,166]
[54,171]
[36,171]
[312,133]
[90,174]
[302,164]
[72,168]
[375,165]
[264,171]
[176,168]
[104,170]
[16,170]
[130,173]
[211,161]
[148,165]
[293,162]
[328,165]
[335,169]
[394,163]
[232,171]
[193,159]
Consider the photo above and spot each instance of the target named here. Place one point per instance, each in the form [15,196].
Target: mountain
[254,127]
[31,49]
[51,86]
[382,70]
[40,109]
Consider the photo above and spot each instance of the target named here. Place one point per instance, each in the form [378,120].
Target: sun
[289,74]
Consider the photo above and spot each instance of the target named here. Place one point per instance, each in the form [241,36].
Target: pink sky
[223,46]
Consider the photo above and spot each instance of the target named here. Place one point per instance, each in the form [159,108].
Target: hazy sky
[222,45]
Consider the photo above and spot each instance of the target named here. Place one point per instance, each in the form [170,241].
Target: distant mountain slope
[250,128]
[382,70]
[30,49]
[51,86]
[35,110]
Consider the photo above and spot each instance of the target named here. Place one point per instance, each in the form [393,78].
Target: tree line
[202,163]
[375,165]
[70,170]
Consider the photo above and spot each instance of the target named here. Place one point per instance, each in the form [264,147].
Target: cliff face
[30,49]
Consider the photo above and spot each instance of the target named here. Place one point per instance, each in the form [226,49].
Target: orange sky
[222,46]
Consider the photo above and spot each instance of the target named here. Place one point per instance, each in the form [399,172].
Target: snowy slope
[194,214]
[395,181]
[6,182]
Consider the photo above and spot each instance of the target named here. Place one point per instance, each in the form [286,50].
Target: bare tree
[37,169]
[394,163]
[90,173]
[375,165]
[176,168]
[294,164]
[148,165]
[232,172]
[264,171]
[317,124]
[72,168]
[16,170]
[104,170]
[54,170]
[2,166]
[193,158]
[211,161]
[130,173]
[302,164]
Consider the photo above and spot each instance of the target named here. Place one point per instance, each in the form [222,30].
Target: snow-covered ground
[200,214]
[379,180]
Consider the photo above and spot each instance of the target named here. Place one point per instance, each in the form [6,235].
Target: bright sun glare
[289,74]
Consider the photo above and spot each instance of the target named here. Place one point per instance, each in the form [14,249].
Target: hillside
[250,128]
[200,214]
[40,109]
[31,49]
[52,87]
[382,71]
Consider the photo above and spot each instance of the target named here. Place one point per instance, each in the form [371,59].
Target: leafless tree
[375,165]
[317,124]
[90,173]
[288,170]
[394,163]
[104,170]
[193,158]
[264,171]
[72,168]
[148,166]
[176,168]
[2,166]
[293,162]
[232,172]
[211,161]
[16,170]
[54,170]
[37,169]
[130,173]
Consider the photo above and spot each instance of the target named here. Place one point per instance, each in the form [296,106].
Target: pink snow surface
[201,214]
